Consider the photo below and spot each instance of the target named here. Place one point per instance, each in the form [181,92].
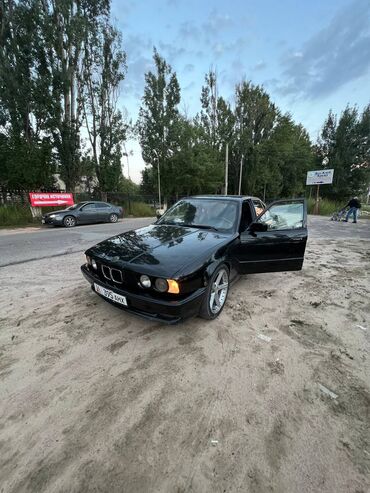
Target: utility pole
[316,209]
[129,179]
[317,202]
[226,167]
[240,174]
[159,178]
[127,154]
[159,186]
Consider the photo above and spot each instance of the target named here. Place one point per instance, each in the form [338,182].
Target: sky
[310,55]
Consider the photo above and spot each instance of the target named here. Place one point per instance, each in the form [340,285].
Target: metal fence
[130,202]
[21,197]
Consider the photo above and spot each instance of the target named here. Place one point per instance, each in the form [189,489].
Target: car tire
[69,221]
[210,309]
[113,218]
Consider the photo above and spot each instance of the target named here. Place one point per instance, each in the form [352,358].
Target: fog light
[94,264]
[161,285]
[145,281]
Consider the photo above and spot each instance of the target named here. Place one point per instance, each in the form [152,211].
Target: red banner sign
[50,199]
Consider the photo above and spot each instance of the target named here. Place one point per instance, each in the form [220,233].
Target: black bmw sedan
[183,264]
[84,213]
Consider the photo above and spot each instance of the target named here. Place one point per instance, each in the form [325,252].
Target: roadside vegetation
[327,207]
[138,209]
[15,215]
[62,90]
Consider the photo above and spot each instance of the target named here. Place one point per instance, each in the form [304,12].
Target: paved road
[35,243]
[30,244]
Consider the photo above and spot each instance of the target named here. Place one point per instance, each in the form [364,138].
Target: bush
[138,209]
[15,215]
[327,207]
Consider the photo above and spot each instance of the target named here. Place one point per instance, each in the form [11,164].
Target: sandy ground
[96,400]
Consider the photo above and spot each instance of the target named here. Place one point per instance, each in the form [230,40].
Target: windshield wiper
[168,223]
[199,226]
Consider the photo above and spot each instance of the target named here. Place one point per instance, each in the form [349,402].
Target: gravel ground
[273,396]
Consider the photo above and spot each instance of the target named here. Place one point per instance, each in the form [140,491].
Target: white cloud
[334,56]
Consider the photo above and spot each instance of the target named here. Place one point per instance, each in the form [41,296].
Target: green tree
[255,116]
[343,152]
[215,128]
[194,165]
[25,152]
[346,142]
[158,117]
[66,27]
[45,53]
[104,70]
[362,166]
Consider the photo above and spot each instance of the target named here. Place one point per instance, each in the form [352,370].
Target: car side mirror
[257,227]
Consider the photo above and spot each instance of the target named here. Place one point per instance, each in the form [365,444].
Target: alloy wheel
[219,291]
[69,221]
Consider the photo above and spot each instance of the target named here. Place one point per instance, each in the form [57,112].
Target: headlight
[161,285]
[145,281]
[94,265]
[52,216]
[88,260]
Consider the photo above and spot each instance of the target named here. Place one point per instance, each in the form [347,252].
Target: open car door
[276,241]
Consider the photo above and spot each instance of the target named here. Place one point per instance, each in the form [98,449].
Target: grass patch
[15,215]
[327,207]
[138,209]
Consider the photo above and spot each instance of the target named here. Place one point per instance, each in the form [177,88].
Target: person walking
[354,206]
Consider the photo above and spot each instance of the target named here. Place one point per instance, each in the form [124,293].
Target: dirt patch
[94,399]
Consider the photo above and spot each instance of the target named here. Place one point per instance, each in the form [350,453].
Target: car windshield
[75,206]
[216,214]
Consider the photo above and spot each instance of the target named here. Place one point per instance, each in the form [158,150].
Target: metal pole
[129,202]
[128,168]
[317,207]
[128,163]
[226,168]
[159,185]
[240,175]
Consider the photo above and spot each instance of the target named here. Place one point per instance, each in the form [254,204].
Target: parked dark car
[183,264]
[84,213]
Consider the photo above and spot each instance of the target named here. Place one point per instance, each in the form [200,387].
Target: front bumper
[52,220]
[170,312]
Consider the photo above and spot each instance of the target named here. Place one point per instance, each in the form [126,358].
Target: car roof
[92,202]
[224,197]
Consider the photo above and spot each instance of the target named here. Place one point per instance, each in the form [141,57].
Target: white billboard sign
[320,177]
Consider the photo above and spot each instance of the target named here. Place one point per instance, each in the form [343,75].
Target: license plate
[111,295]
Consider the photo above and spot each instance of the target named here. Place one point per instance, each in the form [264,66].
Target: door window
[281,216]
[89,208]
[102,205]
[259,206]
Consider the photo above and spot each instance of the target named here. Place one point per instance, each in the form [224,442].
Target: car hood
[63,211]
[161,250]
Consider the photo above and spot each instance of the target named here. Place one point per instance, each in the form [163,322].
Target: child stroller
[339,215]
